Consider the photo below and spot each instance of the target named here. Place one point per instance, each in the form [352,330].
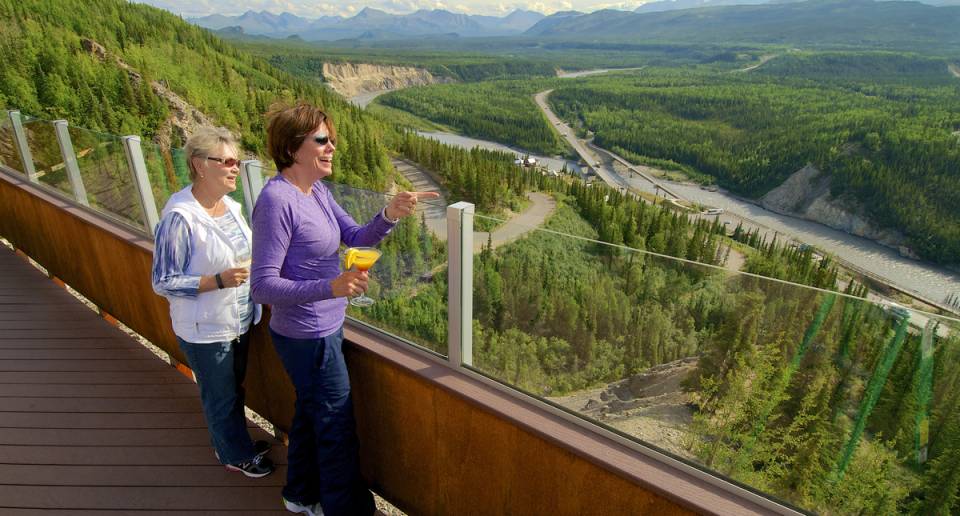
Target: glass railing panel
[809,396]
[106,175]
[266,170]
[9,157]
[163,172]
[47,158]
[409,281]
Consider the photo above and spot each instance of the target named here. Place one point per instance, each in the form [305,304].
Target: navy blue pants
[323,458]
[220,368]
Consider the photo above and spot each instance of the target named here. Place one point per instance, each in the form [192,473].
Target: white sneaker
[309,510]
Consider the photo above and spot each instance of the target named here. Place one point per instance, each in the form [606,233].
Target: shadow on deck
[92,421]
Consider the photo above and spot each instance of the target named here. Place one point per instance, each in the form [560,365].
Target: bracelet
[388,219]
[219,280]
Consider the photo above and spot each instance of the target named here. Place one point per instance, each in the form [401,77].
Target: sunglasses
[229,162]
[323,140]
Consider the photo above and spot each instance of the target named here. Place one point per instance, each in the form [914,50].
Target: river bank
[924,279]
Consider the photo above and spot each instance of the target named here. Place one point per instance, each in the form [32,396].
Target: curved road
[435,211]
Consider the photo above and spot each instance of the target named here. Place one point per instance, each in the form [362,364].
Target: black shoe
[258,466]
[261,447]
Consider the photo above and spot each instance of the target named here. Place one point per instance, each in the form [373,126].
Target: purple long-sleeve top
[296,238]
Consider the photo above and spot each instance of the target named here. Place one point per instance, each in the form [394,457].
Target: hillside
[142,54]
[821,23]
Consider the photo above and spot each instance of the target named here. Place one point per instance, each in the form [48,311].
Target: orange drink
[361,259]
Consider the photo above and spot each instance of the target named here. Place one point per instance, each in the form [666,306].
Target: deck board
[91,421]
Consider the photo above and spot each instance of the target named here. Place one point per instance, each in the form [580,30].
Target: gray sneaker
[309,510]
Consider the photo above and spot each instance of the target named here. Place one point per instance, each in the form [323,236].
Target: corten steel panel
[429,445]
[433,452]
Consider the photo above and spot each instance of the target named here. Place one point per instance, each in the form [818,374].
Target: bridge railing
[734,379]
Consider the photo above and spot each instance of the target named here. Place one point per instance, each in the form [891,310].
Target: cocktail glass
[361,259]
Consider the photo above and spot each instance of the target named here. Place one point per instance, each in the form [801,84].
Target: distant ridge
[675,5]
[371,23]
[867,23]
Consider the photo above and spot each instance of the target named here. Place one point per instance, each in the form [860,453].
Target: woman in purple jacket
[299,228]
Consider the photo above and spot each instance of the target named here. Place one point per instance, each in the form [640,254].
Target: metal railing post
[20,139]
[138,167]
[252,179]
[460,283]
[70,161]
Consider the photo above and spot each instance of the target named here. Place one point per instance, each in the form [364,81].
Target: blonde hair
[205,141]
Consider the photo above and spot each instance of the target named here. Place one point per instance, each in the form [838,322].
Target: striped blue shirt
[229,225]
[171,258]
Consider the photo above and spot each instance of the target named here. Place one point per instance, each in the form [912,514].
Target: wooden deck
[91,421]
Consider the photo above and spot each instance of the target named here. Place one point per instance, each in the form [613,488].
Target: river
[365,98]
[925,279]
[469,143]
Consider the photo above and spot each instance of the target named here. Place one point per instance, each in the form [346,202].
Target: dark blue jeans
[323,458]
[220,368]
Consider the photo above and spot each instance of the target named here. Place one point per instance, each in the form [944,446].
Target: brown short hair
[288,126]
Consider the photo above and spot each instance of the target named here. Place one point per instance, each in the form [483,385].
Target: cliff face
[352,79]
[184,119]
[806,194]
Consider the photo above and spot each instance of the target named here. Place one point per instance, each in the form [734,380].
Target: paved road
[541,206]
[593,159]
[917,278]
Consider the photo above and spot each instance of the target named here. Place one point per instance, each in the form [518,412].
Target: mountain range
[823,23]
[883,23]
[371,23]
[676,5]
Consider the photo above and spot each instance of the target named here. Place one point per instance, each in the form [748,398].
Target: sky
[317,8]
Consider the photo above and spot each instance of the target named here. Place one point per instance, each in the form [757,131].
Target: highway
[924,281]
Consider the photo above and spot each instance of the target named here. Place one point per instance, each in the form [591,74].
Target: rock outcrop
[184,119]
[94,48]
[352,79]
[653,406]
[806,194]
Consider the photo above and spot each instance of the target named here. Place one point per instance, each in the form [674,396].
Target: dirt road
[435,211]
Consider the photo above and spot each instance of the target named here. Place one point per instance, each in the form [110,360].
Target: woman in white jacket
[201,263]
